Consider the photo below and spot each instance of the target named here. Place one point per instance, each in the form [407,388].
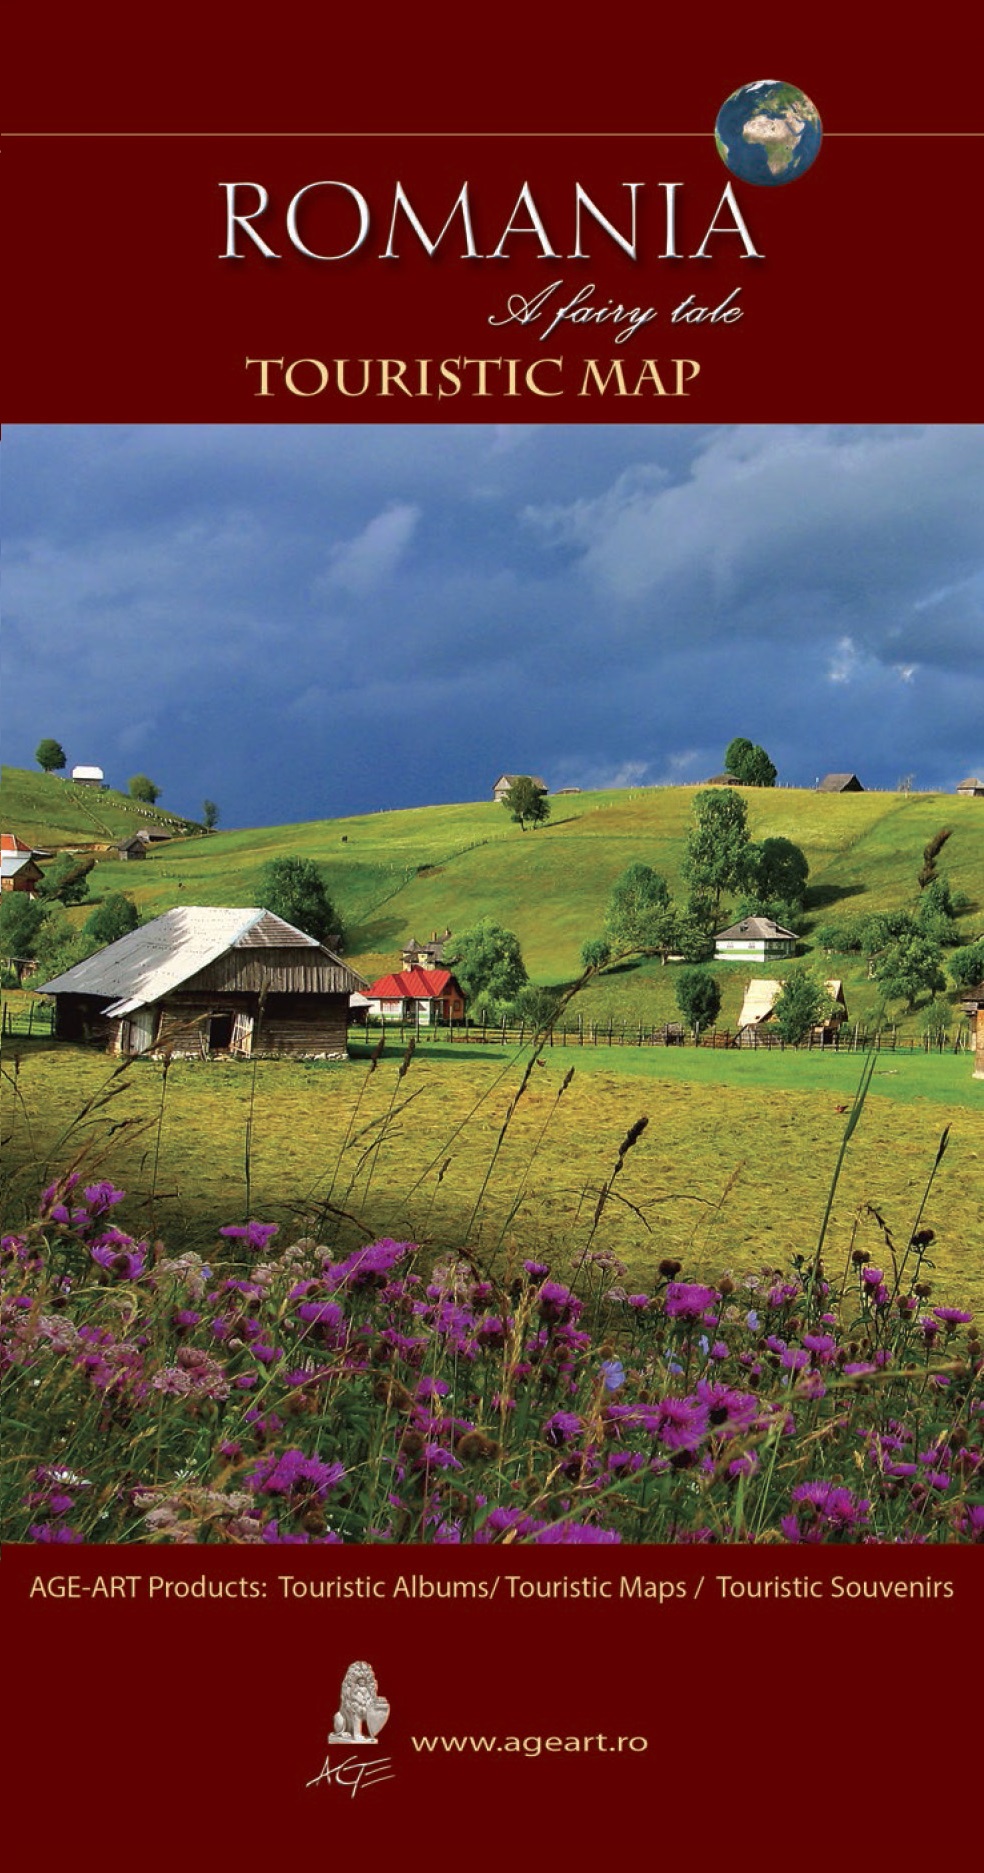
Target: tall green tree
[802,1003]
[777,870]
[67,879]
[142,788]
[210,815]
[966,965]
[749,763]
[936,915]
[638,914]
[50,755]
[911,966]
[526,803]
[115,917]
[698,997]
[293,888]
[488,963]
[21,920]
[716,859]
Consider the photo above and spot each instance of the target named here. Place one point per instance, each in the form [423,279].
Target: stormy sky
[306,621]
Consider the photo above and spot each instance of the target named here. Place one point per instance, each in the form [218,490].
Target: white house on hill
[754,939]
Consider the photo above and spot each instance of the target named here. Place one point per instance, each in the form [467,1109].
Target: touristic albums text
[500,1587]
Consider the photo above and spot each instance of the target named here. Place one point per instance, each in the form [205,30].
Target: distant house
[971,790]
[757,1011]
[721,780]
[426,995]
[88,776]
[754,939]
[18,872]
[505,781]
[839,783]
[134,847]
[425,955]
[12,847]
[205,981]
[151,834]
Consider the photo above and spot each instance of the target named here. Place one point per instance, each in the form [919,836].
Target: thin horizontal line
[457,136]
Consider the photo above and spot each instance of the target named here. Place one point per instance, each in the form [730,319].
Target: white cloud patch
[369,560]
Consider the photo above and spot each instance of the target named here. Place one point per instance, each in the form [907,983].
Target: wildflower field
[597,1354]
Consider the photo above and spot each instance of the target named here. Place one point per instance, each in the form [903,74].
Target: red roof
[9,842]
[422,985]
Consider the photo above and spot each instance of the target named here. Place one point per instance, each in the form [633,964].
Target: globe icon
[768,132]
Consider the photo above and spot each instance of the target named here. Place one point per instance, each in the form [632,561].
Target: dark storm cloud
[305,621]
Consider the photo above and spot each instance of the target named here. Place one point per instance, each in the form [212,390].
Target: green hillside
[47,811]
[393,875]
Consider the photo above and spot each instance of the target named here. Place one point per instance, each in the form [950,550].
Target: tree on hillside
[61,944]
[488,963]
[966,964]
[802,1003]
[115,917]
[526,803]
[911,966]
[21,918]
[50,755]
[936,915]
[142,788]
[778,870]
[293,888]
[749,763]
[698,997]
[595,953]
[716,859]
[67,879]
[638,914]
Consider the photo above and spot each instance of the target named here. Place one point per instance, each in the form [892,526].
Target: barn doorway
[220,1033]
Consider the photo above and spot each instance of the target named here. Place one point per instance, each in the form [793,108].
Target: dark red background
[865,307]
[161,1731]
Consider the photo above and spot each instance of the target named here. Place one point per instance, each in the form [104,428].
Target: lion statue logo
[361,1712]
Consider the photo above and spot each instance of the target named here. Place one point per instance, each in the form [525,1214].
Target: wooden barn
[505,781]
[18,872]
[839,783]
[206,981]
[971,789]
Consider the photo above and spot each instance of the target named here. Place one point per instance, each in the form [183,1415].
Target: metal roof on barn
[151,962]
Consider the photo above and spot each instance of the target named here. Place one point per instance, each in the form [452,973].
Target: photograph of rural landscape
[492,934]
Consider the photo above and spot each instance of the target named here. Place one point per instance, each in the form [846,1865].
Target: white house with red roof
[426,995]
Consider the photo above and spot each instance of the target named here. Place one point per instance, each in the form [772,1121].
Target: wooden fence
[582,1033]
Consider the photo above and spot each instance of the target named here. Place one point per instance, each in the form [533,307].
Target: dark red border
[164,1728]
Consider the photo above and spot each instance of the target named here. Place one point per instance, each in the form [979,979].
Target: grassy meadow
[730,1173]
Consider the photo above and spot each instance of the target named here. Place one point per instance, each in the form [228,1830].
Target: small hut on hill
[758,1009]
[209,981]
[839,783]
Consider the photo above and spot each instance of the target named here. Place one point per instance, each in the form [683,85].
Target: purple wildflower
[687,1300]
[254,1235]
